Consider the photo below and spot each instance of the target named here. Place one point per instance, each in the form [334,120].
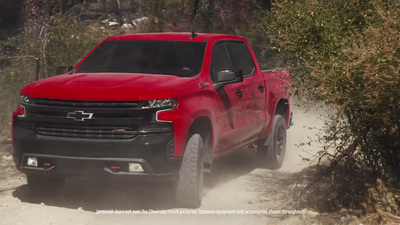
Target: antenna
[193,35]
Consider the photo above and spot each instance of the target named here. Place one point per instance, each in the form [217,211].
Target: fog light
[32,161]
[135,167]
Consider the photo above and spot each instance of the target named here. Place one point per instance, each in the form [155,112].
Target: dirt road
[236,192]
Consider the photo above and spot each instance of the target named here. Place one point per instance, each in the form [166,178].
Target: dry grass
[346,195]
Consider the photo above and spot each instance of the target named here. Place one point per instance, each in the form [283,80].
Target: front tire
[273,151]
[189,190]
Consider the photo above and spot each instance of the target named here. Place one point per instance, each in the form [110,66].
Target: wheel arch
[283,108]
[280,107]
[203,126]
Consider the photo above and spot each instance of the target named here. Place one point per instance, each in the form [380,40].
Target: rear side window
[240,57]
[219,60]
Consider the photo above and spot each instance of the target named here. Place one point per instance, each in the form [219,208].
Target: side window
[241,57]
[219,60]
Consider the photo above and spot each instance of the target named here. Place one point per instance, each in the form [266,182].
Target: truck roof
[168,36]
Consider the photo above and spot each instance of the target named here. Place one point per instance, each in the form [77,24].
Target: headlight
[171,103]
[25,99]
[20,111]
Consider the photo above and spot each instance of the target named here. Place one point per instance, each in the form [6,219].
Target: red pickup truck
[152,107]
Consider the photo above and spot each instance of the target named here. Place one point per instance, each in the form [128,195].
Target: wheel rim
[280,141]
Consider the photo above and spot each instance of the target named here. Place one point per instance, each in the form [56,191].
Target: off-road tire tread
[190,181]
[267,153]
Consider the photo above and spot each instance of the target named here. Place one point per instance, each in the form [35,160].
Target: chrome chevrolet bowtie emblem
[79,115]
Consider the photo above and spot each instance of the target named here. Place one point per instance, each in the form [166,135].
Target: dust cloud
[230,186]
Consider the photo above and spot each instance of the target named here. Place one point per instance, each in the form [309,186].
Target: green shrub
[36,52]
[347,54]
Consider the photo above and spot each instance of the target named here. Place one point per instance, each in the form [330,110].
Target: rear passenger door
[253,116]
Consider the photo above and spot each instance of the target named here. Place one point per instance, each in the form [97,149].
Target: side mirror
[228,76]
[63,69]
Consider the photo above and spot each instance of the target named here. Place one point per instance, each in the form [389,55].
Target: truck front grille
[87,132]
[86,104]
[90,119]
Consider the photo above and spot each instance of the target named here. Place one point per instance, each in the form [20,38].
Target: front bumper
[96,158]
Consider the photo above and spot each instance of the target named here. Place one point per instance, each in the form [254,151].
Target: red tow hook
[47,165]
[115,168]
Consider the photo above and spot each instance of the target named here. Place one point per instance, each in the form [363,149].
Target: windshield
[178,58]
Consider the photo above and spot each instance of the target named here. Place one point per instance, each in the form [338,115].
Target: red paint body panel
[251,114]
[105,87]
[277,88]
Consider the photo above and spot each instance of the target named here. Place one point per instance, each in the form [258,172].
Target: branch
[43,30]
[349,151]
[20,57]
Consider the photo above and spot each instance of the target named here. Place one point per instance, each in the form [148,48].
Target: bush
[36,52]
[347,54]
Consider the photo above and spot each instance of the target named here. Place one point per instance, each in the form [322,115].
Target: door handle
[261,88]
[239,93]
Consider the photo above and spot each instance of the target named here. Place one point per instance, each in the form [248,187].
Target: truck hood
[105,87]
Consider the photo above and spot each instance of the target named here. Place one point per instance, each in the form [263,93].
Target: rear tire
[272,152]
[189,190]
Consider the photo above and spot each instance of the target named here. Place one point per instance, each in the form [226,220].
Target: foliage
[346,54]
[35,53]
[348,191]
